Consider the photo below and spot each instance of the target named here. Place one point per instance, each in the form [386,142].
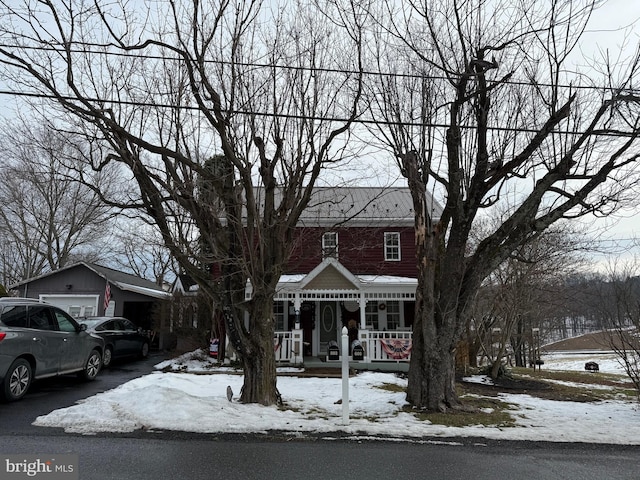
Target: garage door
[74,305]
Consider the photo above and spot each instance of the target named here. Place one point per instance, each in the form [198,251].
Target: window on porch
[330,245]
[392,246]
[278,316]
[371,315]
[393,315]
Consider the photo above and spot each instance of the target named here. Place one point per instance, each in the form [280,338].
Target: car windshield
[92,323]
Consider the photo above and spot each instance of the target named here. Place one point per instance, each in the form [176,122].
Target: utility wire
[290,116]
[89,49]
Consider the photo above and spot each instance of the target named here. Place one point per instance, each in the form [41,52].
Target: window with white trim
[393,315]
[330,245]
[371,315]
[278,315]
[392,246]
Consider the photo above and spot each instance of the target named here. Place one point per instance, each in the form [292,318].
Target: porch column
[297,339]
[297,305]
[363,314]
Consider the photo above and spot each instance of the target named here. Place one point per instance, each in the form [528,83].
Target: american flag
[107,296]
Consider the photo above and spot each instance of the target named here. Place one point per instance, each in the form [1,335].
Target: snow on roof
[150,292]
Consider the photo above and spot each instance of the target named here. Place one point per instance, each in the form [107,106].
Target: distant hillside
[589,341]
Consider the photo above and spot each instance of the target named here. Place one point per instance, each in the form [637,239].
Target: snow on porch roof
[331,277]
[365,279]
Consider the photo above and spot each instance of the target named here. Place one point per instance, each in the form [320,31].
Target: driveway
[50,394]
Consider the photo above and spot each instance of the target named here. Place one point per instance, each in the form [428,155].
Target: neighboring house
[353,265]
[80,289]
[184,285]
[186,302]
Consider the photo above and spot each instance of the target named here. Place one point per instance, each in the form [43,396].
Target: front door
[308,325]
[328,325]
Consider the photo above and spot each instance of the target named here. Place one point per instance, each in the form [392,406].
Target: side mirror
[83,327]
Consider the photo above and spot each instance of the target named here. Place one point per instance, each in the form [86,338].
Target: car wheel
[144,351]
[107,357]
[17,381]
[92,367]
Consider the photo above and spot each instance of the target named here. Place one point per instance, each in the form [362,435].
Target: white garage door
[74,305]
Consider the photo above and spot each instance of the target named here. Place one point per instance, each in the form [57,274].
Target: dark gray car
[38,340]
[122,338]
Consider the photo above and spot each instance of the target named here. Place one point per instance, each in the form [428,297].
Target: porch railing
[380,346]
[386,346]
[288,347]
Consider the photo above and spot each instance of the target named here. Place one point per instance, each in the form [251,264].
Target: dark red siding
[360,250]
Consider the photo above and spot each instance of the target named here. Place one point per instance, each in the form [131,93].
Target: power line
[290,116]
[87,50]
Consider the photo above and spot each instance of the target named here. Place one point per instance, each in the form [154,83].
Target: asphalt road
[168,456]
[50,394]
[175,455]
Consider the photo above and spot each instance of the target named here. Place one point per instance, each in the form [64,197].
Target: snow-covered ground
[188,399]
[574,361]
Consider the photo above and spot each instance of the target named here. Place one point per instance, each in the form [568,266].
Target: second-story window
[392,246]
[330,245]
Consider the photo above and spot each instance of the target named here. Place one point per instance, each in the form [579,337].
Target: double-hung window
[330,245]
[392,246]
[278,315]
[371,314]
[393,315]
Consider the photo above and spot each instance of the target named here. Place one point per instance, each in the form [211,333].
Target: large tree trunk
[259,362]
[253,345]
[432,372]
[437,325]
[431,383]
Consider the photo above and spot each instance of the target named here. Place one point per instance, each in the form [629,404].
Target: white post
[345,376]
[363,312]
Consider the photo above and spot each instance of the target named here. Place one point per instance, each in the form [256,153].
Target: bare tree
[138,247]
[48,218]
[223,113]
[494,110]
[517,296]
[618,304]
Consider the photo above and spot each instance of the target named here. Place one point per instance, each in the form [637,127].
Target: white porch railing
[288,347]
[386,346]
[380,346]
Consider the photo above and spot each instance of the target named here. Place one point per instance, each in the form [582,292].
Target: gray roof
[124,281]
[117,276]
[362,206]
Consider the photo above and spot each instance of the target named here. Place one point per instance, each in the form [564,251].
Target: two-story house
[353,265]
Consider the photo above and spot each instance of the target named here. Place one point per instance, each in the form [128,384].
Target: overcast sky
[614,26]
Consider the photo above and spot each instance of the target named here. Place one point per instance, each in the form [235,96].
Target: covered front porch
[382,350]
[311,310]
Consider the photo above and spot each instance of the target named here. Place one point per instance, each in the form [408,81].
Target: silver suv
[38,340]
